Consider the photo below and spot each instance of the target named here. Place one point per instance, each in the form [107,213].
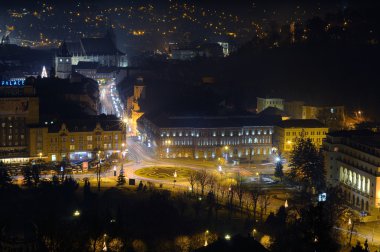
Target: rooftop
[167,121]
[107,123]
[301,123]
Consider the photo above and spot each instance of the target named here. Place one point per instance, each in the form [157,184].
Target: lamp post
[40,155]
[350,223]
[175,177]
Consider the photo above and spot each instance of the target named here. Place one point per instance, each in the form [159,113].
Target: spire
[44,73]
[63,51]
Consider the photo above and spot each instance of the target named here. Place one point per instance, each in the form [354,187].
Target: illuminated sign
[322,197]
[13,83]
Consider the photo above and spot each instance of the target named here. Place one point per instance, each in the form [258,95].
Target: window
[53,158]
[116,136]
[89,138]
[67,60]
[89,146]
[72,147]
[105,146]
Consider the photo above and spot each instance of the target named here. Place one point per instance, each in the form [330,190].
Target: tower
[63,65]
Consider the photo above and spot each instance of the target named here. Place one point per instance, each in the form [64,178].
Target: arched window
[255,140]
[250,140]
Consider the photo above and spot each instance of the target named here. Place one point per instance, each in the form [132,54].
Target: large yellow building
[287,132]
[76,140]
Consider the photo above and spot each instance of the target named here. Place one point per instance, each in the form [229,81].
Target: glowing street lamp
[175,177]
[76,213]
[227,237]
[286,204]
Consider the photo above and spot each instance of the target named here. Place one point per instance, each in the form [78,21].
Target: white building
[352,162]
[263,103]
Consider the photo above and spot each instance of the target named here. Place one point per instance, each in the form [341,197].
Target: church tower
[63,65]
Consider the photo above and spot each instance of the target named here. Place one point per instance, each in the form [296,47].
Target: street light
[254,232]
[76,213]
[175,177]
[114,170]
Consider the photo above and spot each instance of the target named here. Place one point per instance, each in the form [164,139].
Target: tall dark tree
[306,166]
[5,178]
[28,178]
[255,195]
[278,170]
[121,179]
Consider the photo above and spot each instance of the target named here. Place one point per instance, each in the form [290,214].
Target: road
[110,100]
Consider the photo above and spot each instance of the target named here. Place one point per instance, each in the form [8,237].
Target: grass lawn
[164,172]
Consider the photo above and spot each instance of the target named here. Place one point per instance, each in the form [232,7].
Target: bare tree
[264,203]
[202,178]
[192,180]
[255,195]
[212,182]
[239,189]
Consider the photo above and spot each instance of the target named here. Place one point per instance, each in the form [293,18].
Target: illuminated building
[352,161]
[19,107]
[134,105]
[101,50]
[209,137]
[99,73]
[263,103]
[63,64]
[77,140]
[287,132]
[333,116]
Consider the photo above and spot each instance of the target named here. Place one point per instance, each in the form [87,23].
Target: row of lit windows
[88,138]
[306,133]
[212,142]
[217,133]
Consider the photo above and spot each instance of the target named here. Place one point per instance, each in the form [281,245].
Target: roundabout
[164,172]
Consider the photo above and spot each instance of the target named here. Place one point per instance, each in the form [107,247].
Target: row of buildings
[25,136]
[248,137]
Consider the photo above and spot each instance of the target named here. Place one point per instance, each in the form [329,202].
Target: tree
[28,179]
[202,178]
[256,191]
[5,178]
[306,166]
[121,179]
[192,180]
[239,189]
[278,172]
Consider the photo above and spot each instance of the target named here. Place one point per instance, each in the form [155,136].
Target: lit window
[89,138]
[72,147]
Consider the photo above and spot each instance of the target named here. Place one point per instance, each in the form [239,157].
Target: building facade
[232,138]
[102,50]
[63,63]
[263,103]
[287,132]
[352,161]
[76,140]
[19,107]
